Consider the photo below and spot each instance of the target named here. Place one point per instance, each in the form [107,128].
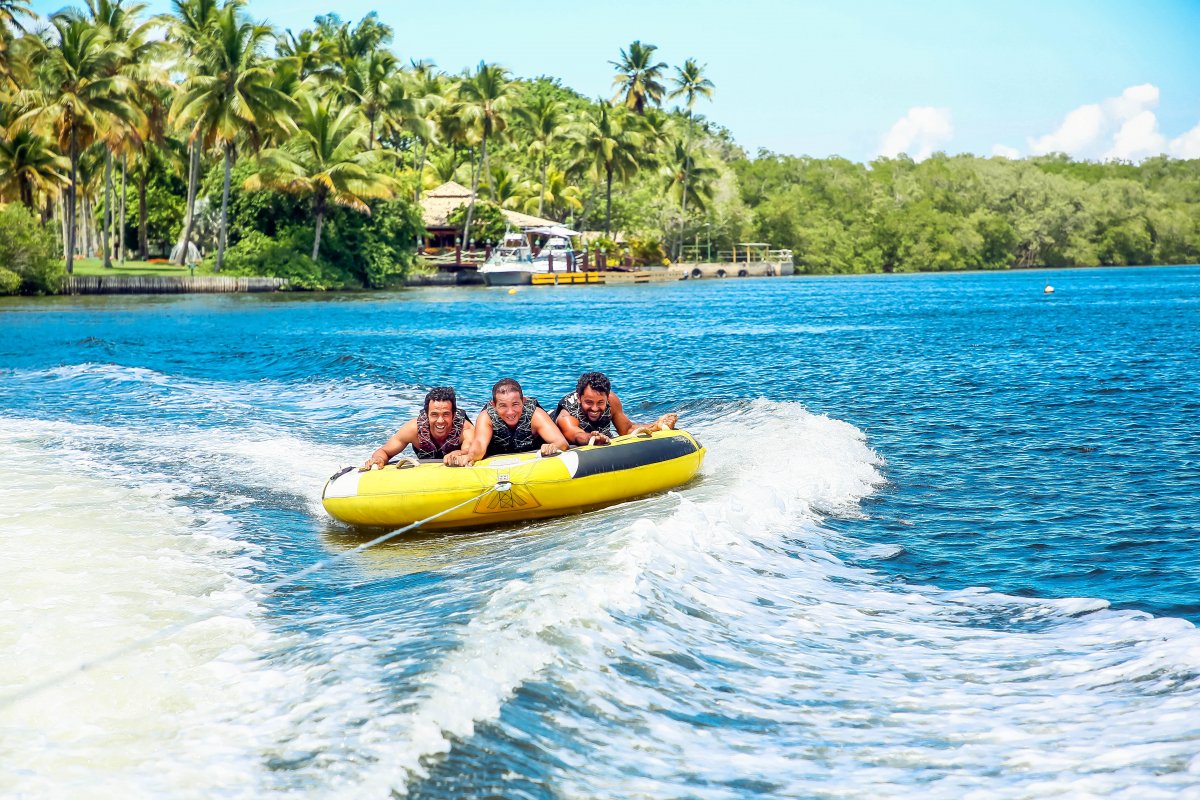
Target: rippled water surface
[944,543]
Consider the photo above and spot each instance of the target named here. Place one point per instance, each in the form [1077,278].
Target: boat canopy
[552,230]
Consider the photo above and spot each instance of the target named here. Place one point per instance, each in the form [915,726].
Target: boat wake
[716,641]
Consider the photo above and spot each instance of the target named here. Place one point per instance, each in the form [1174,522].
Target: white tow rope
[268,589]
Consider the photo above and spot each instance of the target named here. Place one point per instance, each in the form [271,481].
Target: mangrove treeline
[305,154]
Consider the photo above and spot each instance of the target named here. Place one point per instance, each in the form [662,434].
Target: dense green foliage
[284,256]
[304,155]
[963,212]
[487,225]
[271,233]
[28,252]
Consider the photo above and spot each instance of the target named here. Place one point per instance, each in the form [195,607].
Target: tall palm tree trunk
[608,202]
[106,227]
[70,211]
[63,216]
[319,212]
[223,232]
[189,213]
[87,218]
[421,169]
[687,168]
[143,217]
[124,187]
[474,190]
[542,196]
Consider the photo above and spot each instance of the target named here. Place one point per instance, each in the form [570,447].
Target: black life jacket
[517,439]
[426,447]
[571,405]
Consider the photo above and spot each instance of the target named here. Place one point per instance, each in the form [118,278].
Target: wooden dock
[169,284]
[609,277]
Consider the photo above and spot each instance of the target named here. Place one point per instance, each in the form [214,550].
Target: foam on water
[99,555]
[527,627]
[90,566]
[717,645]
[716,641]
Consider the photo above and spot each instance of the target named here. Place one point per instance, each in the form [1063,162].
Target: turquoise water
[944,542]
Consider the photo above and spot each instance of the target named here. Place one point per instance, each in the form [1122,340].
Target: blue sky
[1097,79]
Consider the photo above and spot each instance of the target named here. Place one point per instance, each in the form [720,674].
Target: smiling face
[509,405]
[441,418]
[593,403]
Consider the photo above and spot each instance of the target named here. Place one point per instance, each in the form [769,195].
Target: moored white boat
[514,263]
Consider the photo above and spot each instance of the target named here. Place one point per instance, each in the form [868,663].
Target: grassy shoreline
[95,266]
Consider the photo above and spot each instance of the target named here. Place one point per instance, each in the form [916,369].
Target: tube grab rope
[268,589]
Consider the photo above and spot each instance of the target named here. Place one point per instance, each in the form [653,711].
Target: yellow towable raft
[523,486]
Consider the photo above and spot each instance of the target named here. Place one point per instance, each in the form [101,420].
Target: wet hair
[596,380]
[506,385]
[442,394]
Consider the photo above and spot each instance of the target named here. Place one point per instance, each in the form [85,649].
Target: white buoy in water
[1048,290]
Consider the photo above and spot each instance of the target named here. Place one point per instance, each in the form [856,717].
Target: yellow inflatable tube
[524,486]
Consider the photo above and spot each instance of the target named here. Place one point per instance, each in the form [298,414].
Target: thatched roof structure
[438,204]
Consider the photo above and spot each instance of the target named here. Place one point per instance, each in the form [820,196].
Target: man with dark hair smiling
[593,413]
[514,423]
[441,430]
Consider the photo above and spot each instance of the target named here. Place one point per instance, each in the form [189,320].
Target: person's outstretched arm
[625,425]
[403,438]
[544,427]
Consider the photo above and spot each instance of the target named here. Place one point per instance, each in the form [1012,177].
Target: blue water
[944,542]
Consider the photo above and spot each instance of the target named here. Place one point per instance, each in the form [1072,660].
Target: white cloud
[1004,151]
[1133,101]
[919,133]
[1123,127]
[1080,129]
[1186,145]
[1137,138]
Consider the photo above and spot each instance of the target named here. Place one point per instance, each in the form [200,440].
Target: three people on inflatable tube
[514,423]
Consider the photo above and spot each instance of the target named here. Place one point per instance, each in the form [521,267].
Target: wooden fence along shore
[168,284]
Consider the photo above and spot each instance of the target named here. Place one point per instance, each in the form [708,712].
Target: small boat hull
[508,277]
[581,479]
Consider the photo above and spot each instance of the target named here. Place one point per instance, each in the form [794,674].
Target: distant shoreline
[171,285]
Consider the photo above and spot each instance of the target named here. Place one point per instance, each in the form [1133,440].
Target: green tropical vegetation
[203,133]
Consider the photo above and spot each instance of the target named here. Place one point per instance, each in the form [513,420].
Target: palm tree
[444,166]
[231,97]
[558,197]
[121,24]
[429,89]
[308,54]
[637,79]
[688,177]
[325,158]
[612,148]
[9,11]
[369,83]
[350,45]
[690,83]
[84,93]
[30,166]
[189,24]
[485,100]
[504,187]
[545,117]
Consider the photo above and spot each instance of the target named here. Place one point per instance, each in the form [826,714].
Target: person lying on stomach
[513,423]
[441,430]
[593,413]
